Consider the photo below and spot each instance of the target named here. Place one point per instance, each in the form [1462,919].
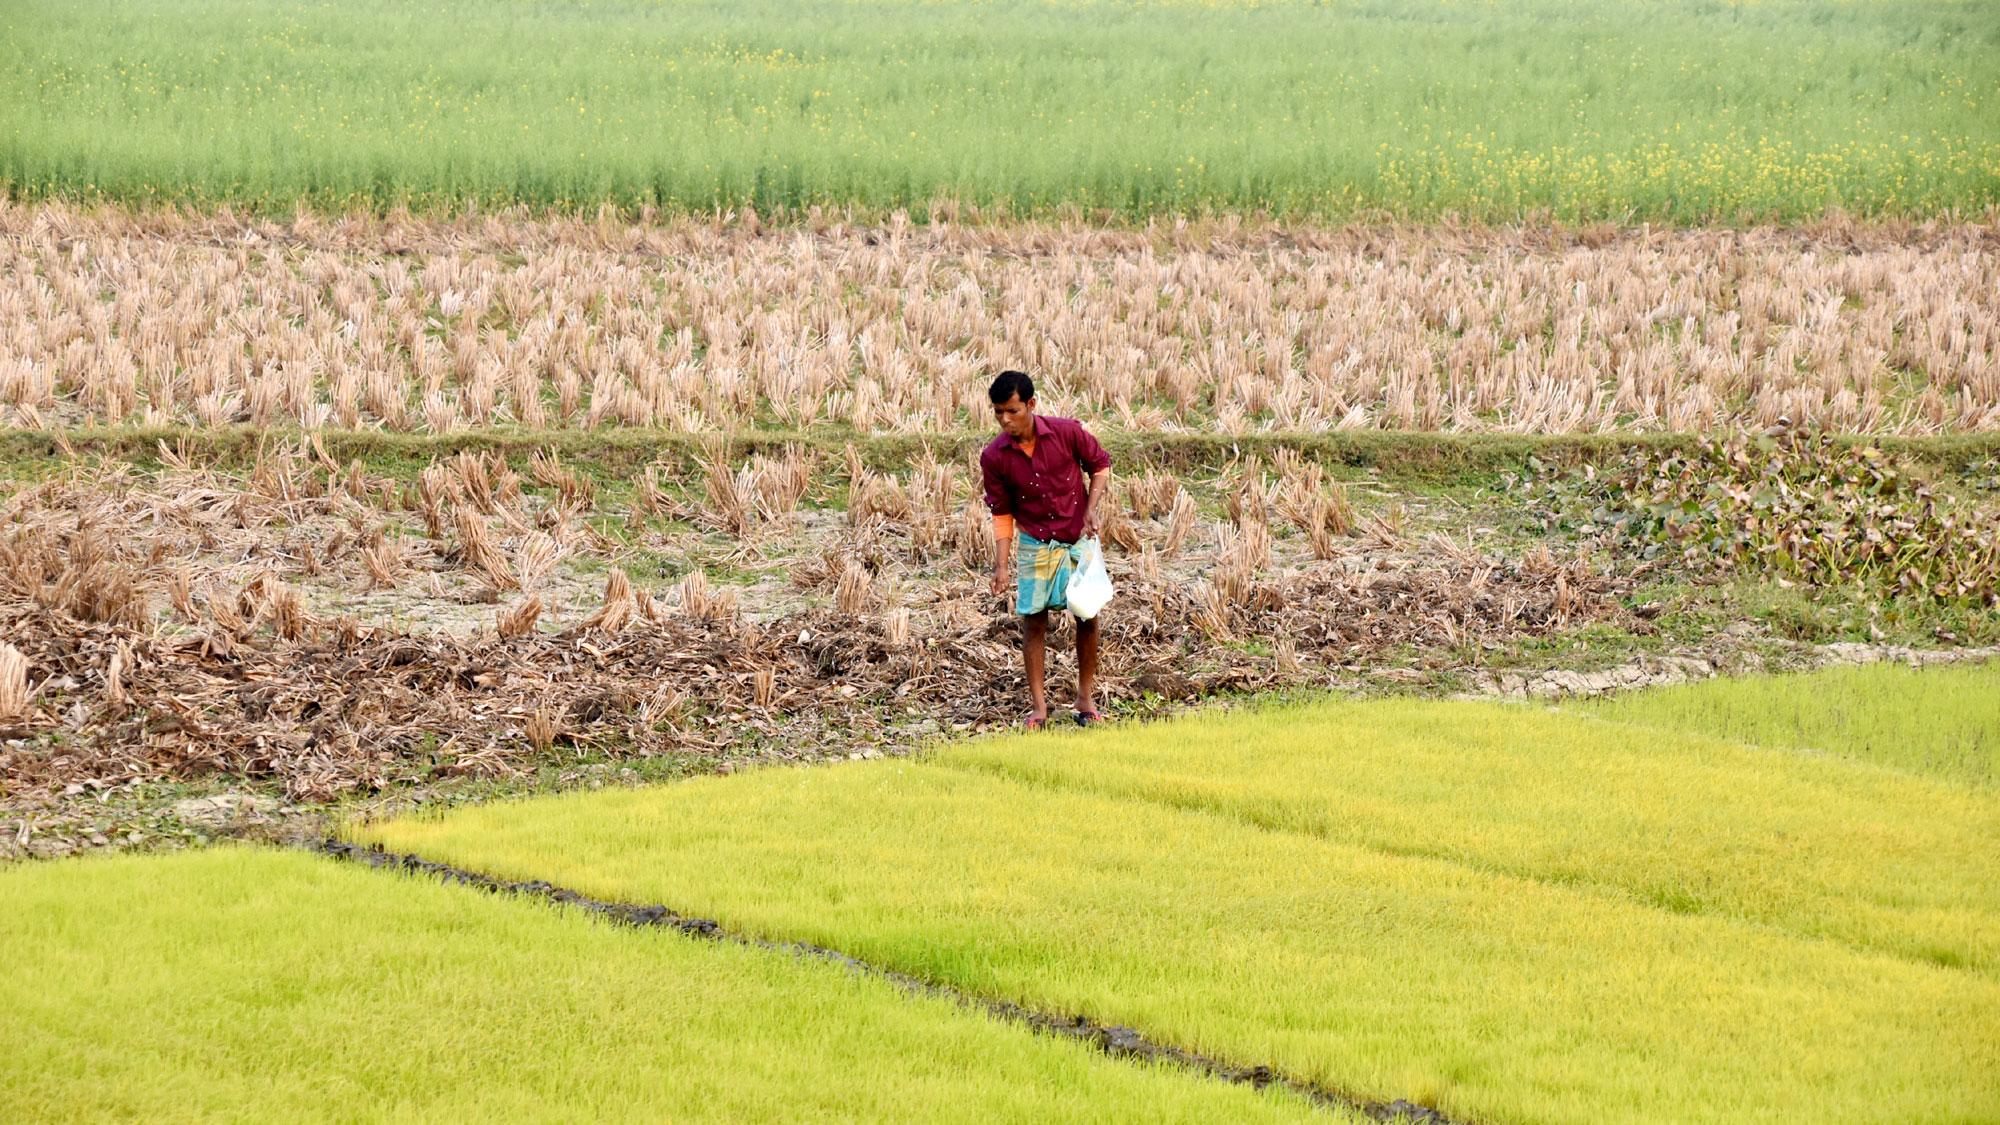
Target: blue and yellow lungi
[1041,573]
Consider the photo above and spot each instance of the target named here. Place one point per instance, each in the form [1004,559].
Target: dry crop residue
[705,326]
[190,621]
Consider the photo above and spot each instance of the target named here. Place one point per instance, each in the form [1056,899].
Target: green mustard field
[1687,111]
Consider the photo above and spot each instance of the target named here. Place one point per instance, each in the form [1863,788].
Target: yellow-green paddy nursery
[259,986]
[1510,914]
[1684,822]
[1943,722]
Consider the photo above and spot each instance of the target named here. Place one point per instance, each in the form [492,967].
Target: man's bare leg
[1034,646]
[1086,666]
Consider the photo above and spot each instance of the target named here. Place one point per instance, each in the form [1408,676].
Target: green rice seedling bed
[1938,722]
[255,985]
[1487,995]
[1688,823]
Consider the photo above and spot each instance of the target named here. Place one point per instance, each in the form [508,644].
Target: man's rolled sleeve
[998,501]
[1090,453]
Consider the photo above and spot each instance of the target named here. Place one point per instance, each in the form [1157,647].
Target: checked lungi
[1041,573]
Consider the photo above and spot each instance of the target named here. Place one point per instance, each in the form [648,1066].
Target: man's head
[1013,395]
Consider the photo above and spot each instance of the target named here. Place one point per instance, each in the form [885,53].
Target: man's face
[1016,418]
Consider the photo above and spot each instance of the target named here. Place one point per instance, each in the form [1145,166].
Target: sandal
[1030,722]
[1088,718]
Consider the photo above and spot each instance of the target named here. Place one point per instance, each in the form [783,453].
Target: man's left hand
[1090,525]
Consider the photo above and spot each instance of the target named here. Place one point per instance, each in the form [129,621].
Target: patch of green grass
[1804,614]
[253,985]
[1491,996]
[1695,824]
[1591,647]
[1695,608]
[1400,457]
[1941,722]
[1616,109]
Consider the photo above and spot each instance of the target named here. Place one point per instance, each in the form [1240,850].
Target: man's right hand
[999,577]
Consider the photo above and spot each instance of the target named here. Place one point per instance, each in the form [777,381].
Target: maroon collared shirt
[1045,494]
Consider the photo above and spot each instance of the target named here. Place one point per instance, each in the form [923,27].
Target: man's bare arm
[1003,553]
[1097,489]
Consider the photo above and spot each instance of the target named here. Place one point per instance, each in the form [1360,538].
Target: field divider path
[1113,1040]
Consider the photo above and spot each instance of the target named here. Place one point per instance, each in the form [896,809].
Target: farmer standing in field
[1042,504]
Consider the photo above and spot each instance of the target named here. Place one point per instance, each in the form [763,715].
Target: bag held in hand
[1089,584]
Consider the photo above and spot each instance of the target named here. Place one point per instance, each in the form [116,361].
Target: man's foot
[1032,722]
[1089,718]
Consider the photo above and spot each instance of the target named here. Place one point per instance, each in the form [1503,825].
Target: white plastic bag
[1089,584]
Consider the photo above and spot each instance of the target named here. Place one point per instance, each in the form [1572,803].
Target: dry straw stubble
[706,325]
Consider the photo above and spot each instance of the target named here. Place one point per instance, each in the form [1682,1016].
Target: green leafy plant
[1806,508]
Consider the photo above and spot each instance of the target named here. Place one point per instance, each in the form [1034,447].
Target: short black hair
[1009,384]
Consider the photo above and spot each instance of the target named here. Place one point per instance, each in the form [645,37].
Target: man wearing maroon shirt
[1043,505]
